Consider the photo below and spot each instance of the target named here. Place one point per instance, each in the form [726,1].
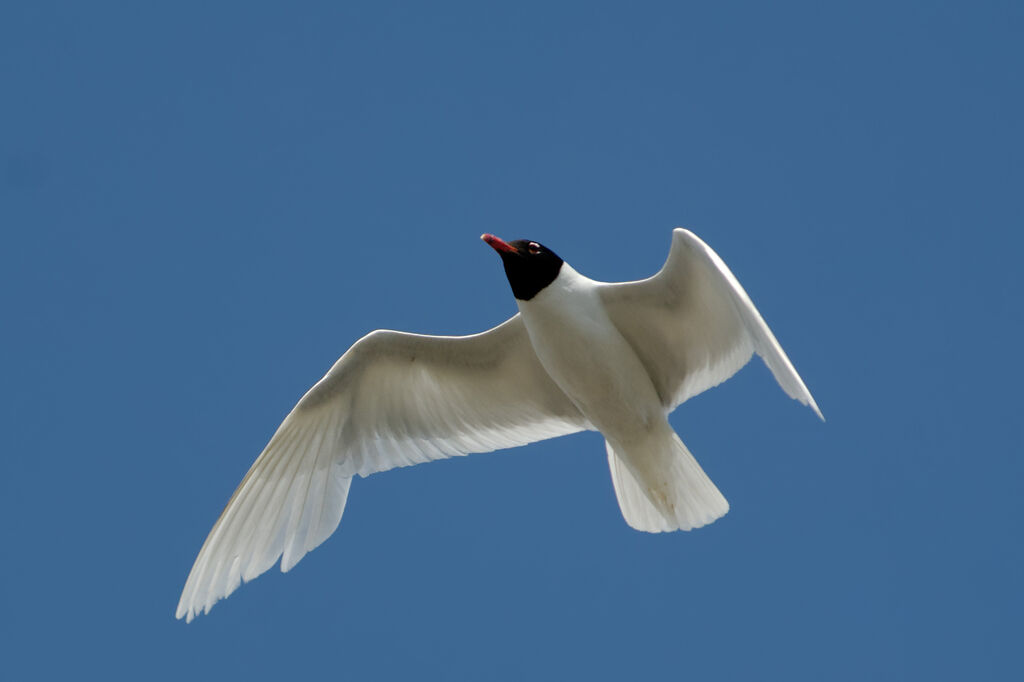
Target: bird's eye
[533,247]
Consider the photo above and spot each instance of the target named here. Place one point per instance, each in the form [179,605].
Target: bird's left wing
[393,399]
[693,326]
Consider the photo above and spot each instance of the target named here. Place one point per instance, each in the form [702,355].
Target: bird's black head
[529,266]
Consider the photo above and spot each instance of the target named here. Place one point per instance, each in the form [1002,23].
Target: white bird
[580,354]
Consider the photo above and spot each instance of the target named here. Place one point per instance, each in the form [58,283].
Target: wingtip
[180,611]
[186,613]
[683,232]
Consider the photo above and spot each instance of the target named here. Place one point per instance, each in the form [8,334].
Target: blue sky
[203,206]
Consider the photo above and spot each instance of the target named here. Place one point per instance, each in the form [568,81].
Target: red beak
[497,244]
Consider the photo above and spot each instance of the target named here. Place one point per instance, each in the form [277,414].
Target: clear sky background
[203,205]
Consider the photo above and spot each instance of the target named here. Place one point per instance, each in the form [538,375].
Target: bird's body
[582,351]
[580,355]
[580,347]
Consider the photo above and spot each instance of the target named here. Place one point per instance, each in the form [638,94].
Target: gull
[579,355]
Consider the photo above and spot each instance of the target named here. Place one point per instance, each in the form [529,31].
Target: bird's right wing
[393,399]
[410,398]
[693,326]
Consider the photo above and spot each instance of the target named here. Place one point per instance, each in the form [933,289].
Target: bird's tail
[661,487]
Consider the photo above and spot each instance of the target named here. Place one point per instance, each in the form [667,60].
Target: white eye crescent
[533,247]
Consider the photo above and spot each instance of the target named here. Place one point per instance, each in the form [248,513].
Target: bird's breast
[589,359]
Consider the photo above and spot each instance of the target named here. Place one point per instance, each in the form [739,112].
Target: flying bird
[579,355]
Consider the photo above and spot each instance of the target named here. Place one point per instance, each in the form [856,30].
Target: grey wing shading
[693,326]
[393,399]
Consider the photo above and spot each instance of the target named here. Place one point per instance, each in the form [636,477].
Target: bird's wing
[393,399]
[693,326]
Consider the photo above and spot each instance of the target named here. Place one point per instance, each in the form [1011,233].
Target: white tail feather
[661,487]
